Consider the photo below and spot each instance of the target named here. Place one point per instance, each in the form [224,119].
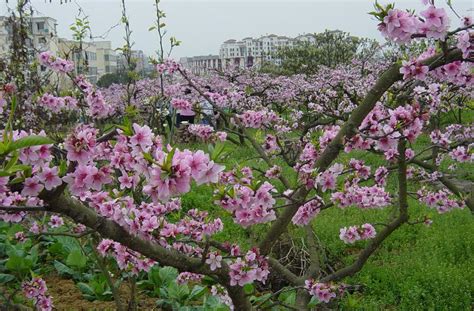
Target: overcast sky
[203,25]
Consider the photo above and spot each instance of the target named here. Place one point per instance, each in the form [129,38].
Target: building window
[42,40]
[106,57]
[40,26]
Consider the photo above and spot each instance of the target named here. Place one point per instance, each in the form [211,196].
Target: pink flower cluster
[327,179]
[181,104]
[436,23]
[354,233]
[399,26]
[384,127]
[176,179]
[307,212]
[187,277]
[414,69]
[273,172]
[459,73]
[58,104]
[57,64]
[252,267]
[270,145]
[98,107]
[464,43]
[36,290]
[250,206]
[221,293]
[256,119]
[206,133]
[81,144]
[322,291]
[42,176]
[329,134]
[439,200]
[168,66]
[463,154]
[362,197]
[127,259]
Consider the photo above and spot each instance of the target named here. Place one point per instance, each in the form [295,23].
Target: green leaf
[29,141]
[63,269]
[62,168]
[288,297]
[197,292]
[86,289]
[147,156]
[19,264]
[178,292]
[167,275]
[248,288]
[76,259]
[12,161]
[5,278]
[313,302]
[3,147]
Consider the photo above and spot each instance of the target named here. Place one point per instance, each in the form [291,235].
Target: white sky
[203,25]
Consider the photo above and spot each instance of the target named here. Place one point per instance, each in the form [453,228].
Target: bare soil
[67,296]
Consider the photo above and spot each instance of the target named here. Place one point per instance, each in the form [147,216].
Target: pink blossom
[142,137]
[49,177]
[399,26]
[55,222]
[214,260]
[32,187]
[414,69]
[323,292]
[464,43]
[349,235]
[307,212]
[436,22]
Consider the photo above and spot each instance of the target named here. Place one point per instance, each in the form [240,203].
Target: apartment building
[250,52]
[245,53]
[97,56]
[106,58]
[42,35]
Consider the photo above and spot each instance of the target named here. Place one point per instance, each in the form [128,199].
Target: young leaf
[29,141]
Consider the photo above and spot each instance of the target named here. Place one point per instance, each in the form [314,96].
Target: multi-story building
[251,52]
[42,35]
[202,64]
[106,58]
[98,57]
[84,56]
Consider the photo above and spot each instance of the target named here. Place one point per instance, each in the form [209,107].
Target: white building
[106,58]
[251,52]
[42,35]
[248,52]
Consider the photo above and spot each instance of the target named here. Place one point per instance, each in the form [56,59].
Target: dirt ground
[66,296]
